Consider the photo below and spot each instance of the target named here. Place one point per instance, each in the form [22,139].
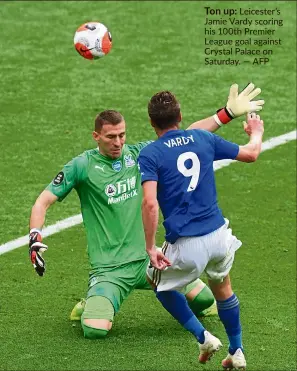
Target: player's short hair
[107,117]
[164,110]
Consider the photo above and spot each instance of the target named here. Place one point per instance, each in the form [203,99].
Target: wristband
[35,230]
[223,116]
[35,236]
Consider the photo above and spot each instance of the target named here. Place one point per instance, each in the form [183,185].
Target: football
[92,40]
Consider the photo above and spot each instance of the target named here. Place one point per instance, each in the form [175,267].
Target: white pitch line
[268,144]
[47,231]
[77,219]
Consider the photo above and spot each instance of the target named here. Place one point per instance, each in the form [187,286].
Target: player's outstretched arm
[36,247]
[237,105]
[254,127]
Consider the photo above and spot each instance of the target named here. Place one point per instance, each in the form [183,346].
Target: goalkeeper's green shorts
[117,283]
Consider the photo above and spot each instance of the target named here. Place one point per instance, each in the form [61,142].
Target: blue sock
[228,311]
[176,304]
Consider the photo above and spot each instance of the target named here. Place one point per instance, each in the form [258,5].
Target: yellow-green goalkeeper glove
[239,104]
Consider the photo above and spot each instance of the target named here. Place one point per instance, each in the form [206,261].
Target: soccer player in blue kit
[177,174]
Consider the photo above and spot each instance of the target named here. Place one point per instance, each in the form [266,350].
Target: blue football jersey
[181,161]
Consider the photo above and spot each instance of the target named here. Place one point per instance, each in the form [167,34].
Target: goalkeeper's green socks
[202,301]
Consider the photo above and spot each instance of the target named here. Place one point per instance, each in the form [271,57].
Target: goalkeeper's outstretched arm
[237,105]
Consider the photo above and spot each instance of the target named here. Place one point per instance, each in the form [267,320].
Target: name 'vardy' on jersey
[181,161]
[179,141]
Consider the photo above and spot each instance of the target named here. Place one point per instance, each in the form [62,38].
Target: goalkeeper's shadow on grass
[146,327]
[137,329]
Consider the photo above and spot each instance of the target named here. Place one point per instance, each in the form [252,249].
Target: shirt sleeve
[64,181]
[224,149]
[148,168]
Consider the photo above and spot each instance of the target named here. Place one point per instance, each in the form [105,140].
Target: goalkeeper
[108,184]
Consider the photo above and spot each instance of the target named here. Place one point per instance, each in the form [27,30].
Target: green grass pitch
[49,97]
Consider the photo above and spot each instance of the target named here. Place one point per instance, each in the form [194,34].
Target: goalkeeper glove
[36,248]
[239,104]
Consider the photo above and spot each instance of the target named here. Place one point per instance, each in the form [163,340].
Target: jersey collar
[171,133]
[109,159]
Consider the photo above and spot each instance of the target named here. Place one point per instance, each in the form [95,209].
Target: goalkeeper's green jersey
[110,196]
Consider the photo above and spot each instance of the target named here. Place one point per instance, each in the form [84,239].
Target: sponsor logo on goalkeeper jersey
[100,167]
[123,197]
[129,161]
[121,191]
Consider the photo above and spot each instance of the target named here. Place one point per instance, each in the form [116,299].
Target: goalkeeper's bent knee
[97,308]
[202,301]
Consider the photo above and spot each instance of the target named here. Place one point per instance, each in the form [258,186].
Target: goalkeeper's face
[111,139]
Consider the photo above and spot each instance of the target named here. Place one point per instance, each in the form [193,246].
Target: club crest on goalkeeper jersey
[110,196]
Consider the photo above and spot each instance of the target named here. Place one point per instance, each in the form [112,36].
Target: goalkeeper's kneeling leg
[97,317]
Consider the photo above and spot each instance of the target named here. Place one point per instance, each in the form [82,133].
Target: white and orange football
[92,40]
